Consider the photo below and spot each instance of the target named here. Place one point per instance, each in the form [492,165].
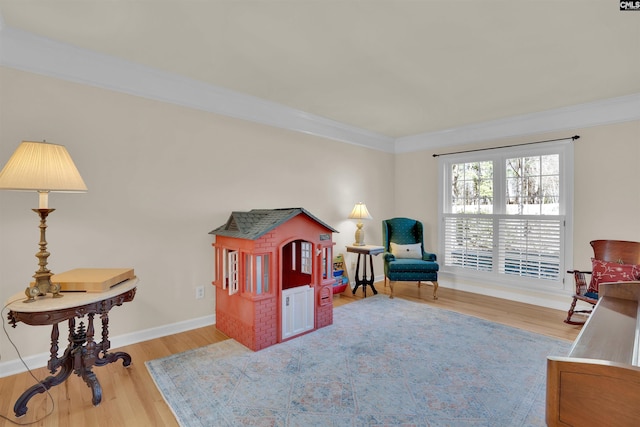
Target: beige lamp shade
[359,212]
[41,167]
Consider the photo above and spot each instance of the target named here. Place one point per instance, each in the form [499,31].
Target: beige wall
[160,177]
[606,192]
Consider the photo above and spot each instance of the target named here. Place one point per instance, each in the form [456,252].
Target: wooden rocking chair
[613,261]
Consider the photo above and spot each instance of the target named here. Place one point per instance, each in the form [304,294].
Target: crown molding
[25,51]
[28,52]
[613,110]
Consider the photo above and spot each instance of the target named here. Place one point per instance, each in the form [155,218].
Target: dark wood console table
[362,279]
[82,352]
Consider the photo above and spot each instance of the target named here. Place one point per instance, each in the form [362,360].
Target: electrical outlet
[200,292]
[353,265]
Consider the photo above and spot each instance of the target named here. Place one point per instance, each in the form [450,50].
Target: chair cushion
[413,251]
[605,271]
[591,295]
[412,265]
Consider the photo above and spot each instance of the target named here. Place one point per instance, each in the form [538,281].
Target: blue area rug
[384,362]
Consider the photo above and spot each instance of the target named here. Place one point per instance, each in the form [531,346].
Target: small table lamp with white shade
[359,212]
[41,167]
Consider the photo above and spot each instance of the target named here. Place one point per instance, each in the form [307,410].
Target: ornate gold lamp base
[43,283]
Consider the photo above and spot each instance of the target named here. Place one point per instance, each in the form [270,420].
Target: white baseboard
[549,300]
[16,366]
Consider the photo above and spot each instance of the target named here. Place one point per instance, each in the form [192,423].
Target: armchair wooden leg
[391,288]
[435,289]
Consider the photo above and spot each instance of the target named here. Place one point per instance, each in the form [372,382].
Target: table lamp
[359,212]
[41,167]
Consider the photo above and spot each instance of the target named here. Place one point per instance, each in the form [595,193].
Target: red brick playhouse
[273,275]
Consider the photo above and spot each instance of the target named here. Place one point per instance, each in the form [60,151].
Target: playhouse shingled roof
[253,224]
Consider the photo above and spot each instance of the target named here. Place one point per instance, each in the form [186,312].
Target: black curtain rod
[574,137]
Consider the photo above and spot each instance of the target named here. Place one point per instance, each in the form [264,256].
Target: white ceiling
[392,67]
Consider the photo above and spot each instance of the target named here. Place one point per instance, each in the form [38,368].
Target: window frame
[327,263]
[306,257]
[564,148]
[257,270]
[233,271]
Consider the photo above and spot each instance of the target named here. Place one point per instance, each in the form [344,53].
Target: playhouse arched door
[297,291]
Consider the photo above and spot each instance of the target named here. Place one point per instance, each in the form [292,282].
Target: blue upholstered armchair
[405,258]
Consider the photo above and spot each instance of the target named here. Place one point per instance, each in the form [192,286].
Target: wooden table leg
[87,357]
[65,364]
[358,280]
[372,278]
[362,279]
[105,358]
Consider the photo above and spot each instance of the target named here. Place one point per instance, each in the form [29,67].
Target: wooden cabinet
[598,383]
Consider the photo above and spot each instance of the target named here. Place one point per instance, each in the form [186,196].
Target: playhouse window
[293,256]
[230,267]
[256,279]
[262,273]
[224,268]
[215,264]
[248,273]
[327,263]
[305,257]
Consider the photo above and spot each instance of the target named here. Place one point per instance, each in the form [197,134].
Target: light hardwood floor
[130,398]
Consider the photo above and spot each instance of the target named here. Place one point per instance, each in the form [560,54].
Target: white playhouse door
[297,311]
